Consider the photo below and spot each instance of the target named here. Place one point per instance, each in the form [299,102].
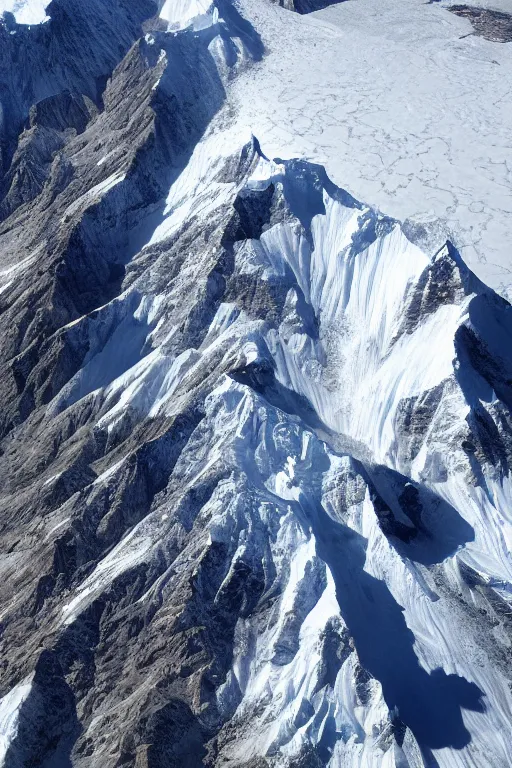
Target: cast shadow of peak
[239,27]
[260,377]
[419,524]
[47,723]
[483,347]
[430,704]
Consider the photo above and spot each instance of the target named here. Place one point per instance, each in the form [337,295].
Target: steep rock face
[256,447]
[75,51]
[493,25]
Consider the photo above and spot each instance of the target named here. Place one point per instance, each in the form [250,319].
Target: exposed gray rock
[491,24]
[222,543]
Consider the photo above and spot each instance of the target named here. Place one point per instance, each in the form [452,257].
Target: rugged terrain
[256,443]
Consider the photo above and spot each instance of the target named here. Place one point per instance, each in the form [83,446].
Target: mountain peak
[256,430]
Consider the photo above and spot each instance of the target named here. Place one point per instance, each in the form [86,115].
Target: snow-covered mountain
[256,436]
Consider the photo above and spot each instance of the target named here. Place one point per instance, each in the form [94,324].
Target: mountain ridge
[256,449]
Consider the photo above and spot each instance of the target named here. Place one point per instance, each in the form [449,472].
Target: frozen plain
[405,107]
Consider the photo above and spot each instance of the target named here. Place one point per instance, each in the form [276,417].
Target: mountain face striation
[256,437]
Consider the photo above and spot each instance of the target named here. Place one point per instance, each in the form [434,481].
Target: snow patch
[10,706]
[26,11]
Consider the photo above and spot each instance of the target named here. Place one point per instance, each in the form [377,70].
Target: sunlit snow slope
[256,437]
[26,11]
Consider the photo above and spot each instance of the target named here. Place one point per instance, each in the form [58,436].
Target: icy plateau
[256,384]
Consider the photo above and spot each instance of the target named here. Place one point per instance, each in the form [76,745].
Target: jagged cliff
[256,442]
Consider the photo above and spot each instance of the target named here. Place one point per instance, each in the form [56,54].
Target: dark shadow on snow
[48,726]
[484,350]
[309,6]
[261,378]
[240,27]
[483,369]
[420,524]
[429,704]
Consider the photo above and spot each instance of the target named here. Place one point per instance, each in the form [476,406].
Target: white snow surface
[282,478]
[26,11]
[181,14]
[406,109]
[355,375]
[10,706]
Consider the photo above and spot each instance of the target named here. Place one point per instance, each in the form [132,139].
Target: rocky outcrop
[495,26]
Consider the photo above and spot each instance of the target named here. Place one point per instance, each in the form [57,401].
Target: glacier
[405,106]
[256,434]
